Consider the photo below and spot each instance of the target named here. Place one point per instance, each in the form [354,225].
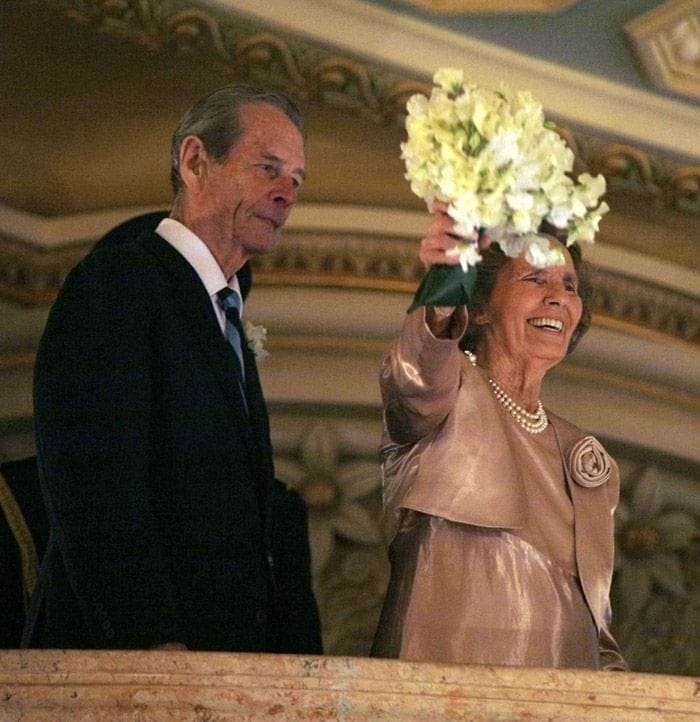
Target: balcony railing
[64,685]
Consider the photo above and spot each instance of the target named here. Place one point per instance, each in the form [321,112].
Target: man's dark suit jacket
[168,523]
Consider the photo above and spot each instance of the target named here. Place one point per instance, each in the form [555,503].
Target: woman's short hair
[493,260]
[215,120]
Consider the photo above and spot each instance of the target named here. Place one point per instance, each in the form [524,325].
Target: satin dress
[501,548]
[470,594]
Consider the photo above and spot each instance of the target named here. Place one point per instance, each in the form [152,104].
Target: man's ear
[193,160]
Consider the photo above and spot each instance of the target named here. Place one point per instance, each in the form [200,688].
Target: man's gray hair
[214,119]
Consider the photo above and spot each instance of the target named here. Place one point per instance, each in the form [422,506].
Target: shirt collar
[198,255]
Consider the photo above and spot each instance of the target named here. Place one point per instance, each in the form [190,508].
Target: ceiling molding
[628,167]
[358,260]
[315,73]
[52,243]
[492,6]
[416,47]
[362,260]
[255,52]
[667,42]
[359,59]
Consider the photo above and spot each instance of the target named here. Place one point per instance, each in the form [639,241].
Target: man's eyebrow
[276,159]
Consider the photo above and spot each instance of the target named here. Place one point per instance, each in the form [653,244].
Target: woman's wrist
[439,320]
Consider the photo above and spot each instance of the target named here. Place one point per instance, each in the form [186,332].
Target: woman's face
[532,312]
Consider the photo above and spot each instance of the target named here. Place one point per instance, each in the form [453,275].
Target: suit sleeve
[93,401]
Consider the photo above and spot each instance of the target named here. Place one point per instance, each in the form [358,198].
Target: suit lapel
[258,411]
[200,323]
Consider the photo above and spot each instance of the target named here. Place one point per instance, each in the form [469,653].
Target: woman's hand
[439,246]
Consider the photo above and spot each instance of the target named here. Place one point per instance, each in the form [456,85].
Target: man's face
[247,196]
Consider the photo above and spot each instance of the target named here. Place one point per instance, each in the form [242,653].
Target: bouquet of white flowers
[501,168]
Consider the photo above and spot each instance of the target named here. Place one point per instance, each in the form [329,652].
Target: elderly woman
[499,514]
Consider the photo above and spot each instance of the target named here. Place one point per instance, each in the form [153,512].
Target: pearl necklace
[532,423]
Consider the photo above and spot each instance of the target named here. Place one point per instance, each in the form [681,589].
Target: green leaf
[445,285]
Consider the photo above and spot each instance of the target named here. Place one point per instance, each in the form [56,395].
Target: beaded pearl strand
[532,423]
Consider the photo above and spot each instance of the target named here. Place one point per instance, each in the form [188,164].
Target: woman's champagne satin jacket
[448,451]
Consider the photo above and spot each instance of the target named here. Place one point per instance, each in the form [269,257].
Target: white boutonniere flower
[256,337]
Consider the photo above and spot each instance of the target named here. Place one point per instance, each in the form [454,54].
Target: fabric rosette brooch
[502,168]
[589,463]
[256,337]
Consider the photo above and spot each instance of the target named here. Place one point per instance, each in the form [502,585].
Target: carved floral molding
[31,275]
[332,259]
[390,263]
[316,73]
[252,51]
[667,41]
[492,6]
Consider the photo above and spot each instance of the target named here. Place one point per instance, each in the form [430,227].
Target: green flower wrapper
[445,285]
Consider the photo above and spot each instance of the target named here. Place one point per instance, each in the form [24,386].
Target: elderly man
[168,528]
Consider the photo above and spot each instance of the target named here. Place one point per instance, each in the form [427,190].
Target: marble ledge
[66,685]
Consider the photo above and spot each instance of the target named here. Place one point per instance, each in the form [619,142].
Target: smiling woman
[500,553]
[493,261]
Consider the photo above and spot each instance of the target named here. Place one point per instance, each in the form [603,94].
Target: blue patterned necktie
[231,303]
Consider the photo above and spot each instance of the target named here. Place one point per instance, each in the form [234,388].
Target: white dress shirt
[198,255]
